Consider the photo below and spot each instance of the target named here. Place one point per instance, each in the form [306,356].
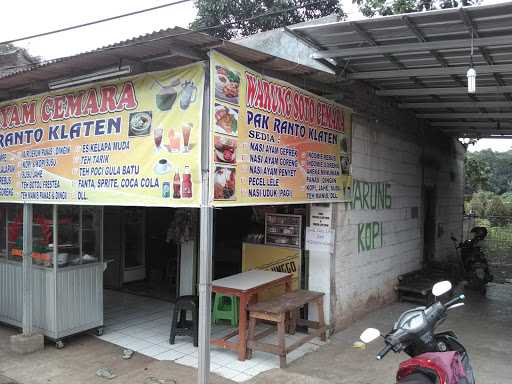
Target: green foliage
[495,166]
[479,203]
[371,8]
[227,18]
[496,211]
[477,174]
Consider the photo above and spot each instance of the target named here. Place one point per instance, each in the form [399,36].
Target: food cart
[67,269]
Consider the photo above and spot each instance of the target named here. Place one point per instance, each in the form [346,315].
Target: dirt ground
[78,361]
[483,325]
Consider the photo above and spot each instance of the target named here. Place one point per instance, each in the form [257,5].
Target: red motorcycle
[436,358]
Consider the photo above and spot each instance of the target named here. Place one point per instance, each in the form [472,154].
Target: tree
[500,169]
[371,8]
[497,212]
[477,174]
[228,19]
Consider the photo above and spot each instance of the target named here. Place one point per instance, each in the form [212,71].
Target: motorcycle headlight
[413,322]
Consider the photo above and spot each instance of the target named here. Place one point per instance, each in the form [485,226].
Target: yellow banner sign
[135,141]
[272,258]
[273,142]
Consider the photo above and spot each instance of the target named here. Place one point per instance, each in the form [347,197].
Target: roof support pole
[27,270]
[205,243]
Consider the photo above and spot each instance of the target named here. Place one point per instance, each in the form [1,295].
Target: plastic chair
[226,308]
[180,325]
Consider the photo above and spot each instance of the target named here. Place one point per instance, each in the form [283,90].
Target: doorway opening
[429,224]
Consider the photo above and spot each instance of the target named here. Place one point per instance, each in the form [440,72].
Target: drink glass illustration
[158,132]
[174,141]
[185,131]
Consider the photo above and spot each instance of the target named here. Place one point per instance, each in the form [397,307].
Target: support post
[205,242]
[27,270]
[27,341]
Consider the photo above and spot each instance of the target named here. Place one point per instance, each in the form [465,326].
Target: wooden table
[246,286]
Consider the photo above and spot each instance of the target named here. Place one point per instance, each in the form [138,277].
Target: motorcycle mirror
[369,335]
[441,288]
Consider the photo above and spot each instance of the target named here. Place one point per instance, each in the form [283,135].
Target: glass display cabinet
[67,268]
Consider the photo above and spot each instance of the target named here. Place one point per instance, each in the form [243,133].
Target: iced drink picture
[174,141]
[185,131]
[158,132]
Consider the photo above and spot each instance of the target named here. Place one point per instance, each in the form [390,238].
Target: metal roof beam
[311,44]
[443,71]
[481,134]
[466,115]
[467,124]
[457,104]
[415,47]
[363,33]
[442,91]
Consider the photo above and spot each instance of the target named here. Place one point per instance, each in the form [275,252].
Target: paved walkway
[6,380]
[484,326]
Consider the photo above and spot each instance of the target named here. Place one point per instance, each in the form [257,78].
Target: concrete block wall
[389,147]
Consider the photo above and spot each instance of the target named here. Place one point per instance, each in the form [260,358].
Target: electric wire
[204,29]
[94,22]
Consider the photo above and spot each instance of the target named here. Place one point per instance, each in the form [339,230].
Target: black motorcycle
[414,334]
[473,263]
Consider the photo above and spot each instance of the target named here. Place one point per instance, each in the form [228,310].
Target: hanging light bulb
[471,74]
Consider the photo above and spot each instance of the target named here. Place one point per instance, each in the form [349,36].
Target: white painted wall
[365,280]
[187,268]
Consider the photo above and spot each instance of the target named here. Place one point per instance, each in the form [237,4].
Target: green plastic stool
[226,308]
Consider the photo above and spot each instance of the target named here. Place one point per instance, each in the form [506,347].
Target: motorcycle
[436,358]
[473,263]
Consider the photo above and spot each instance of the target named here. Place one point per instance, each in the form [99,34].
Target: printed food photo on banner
[122,141]
[225,149]
[226,120]
[140,123]
[224,183]
[227,84]
[291,145]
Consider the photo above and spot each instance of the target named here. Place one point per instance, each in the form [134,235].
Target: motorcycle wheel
[416,378]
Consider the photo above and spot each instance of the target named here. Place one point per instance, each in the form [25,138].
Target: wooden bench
[276,311]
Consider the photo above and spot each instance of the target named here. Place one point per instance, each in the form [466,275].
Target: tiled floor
[143,324]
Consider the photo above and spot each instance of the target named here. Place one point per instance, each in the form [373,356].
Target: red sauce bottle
[176,185]
[187,183]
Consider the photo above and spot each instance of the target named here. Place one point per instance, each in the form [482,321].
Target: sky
[48,15]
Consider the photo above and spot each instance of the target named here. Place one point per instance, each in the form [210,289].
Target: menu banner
[134,141]
[274,143]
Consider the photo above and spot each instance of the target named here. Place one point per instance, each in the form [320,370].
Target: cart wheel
[99,331]
[59,344]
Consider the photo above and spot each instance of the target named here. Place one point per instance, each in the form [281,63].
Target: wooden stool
[275,311]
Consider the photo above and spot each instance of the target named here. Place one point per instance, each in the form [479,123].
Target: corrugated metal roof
[402,55]
[158,50]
